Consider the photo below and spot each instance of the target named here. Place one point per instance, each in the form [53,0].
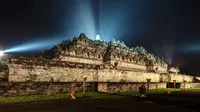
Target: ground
[91,105]
[156,101]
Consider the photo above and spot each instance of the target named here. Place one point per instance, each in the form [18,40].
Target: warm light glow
[1,53]
[84,76]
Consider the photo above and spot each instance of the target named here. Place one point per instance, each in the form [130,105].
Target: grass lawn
[94,95]
[153,91]
[161,91]
[157,93]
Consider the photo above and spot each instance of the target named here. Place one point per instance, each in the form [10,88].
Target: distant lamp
[84,78]
[1,53]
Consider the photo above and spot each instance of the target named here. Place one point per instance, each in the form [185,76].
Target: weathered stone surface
[102,87]
[58,74]
[181,78]
[115,87]
[198,78]
[47,88]
[3,71]
[190,85]
[100,61]
[173,69]
[17,73]
[95,51]
[127,76]
[131,66]
[83,60]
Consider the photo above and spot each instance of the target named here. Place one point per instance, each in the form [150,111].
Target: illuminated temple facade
[115,53]
[100,61]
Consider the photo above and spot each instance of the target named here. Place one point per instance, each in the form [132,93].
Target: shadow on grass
[163,98]
[157,96]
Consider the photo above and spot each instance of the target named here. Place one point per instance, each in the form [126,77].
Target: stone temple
[112,65]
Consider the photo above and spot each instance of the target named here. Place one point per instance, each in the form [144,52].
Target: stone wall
[160,69]
[165,77]
[2,75]
[3,71]
[198,78]
[130,66]
[190,85]
[173,70]
[114,87]
[181,78]
[169,77]
[22,70]
[21,89]
[24,73]
[102,87]
[109,78]
[114,75]
[82,60]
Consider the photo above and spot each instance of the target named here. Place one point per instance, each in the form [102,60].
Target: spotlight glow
[1,53]
[98,37]
[191,47]
[83,20]
[35,45]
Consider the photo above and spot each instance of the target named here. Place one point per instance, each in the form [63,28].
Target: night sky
[167,28]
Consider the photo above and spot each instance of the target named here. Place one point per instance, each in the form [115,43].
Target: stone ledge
[48,63]
[75,56]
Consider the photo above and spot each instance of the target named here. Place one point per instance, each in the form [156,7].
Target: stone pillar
[51,80]
[148,83]
[184,81]
[92,86]
[174,84]
[84,83]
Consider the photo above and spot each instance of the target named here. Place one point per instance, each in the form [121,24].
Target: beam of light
[83,20]
[87,18]
[103,18]
[110,21]
[169,54]
[119,19]
[189,48]
[166,51]
[34,45]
